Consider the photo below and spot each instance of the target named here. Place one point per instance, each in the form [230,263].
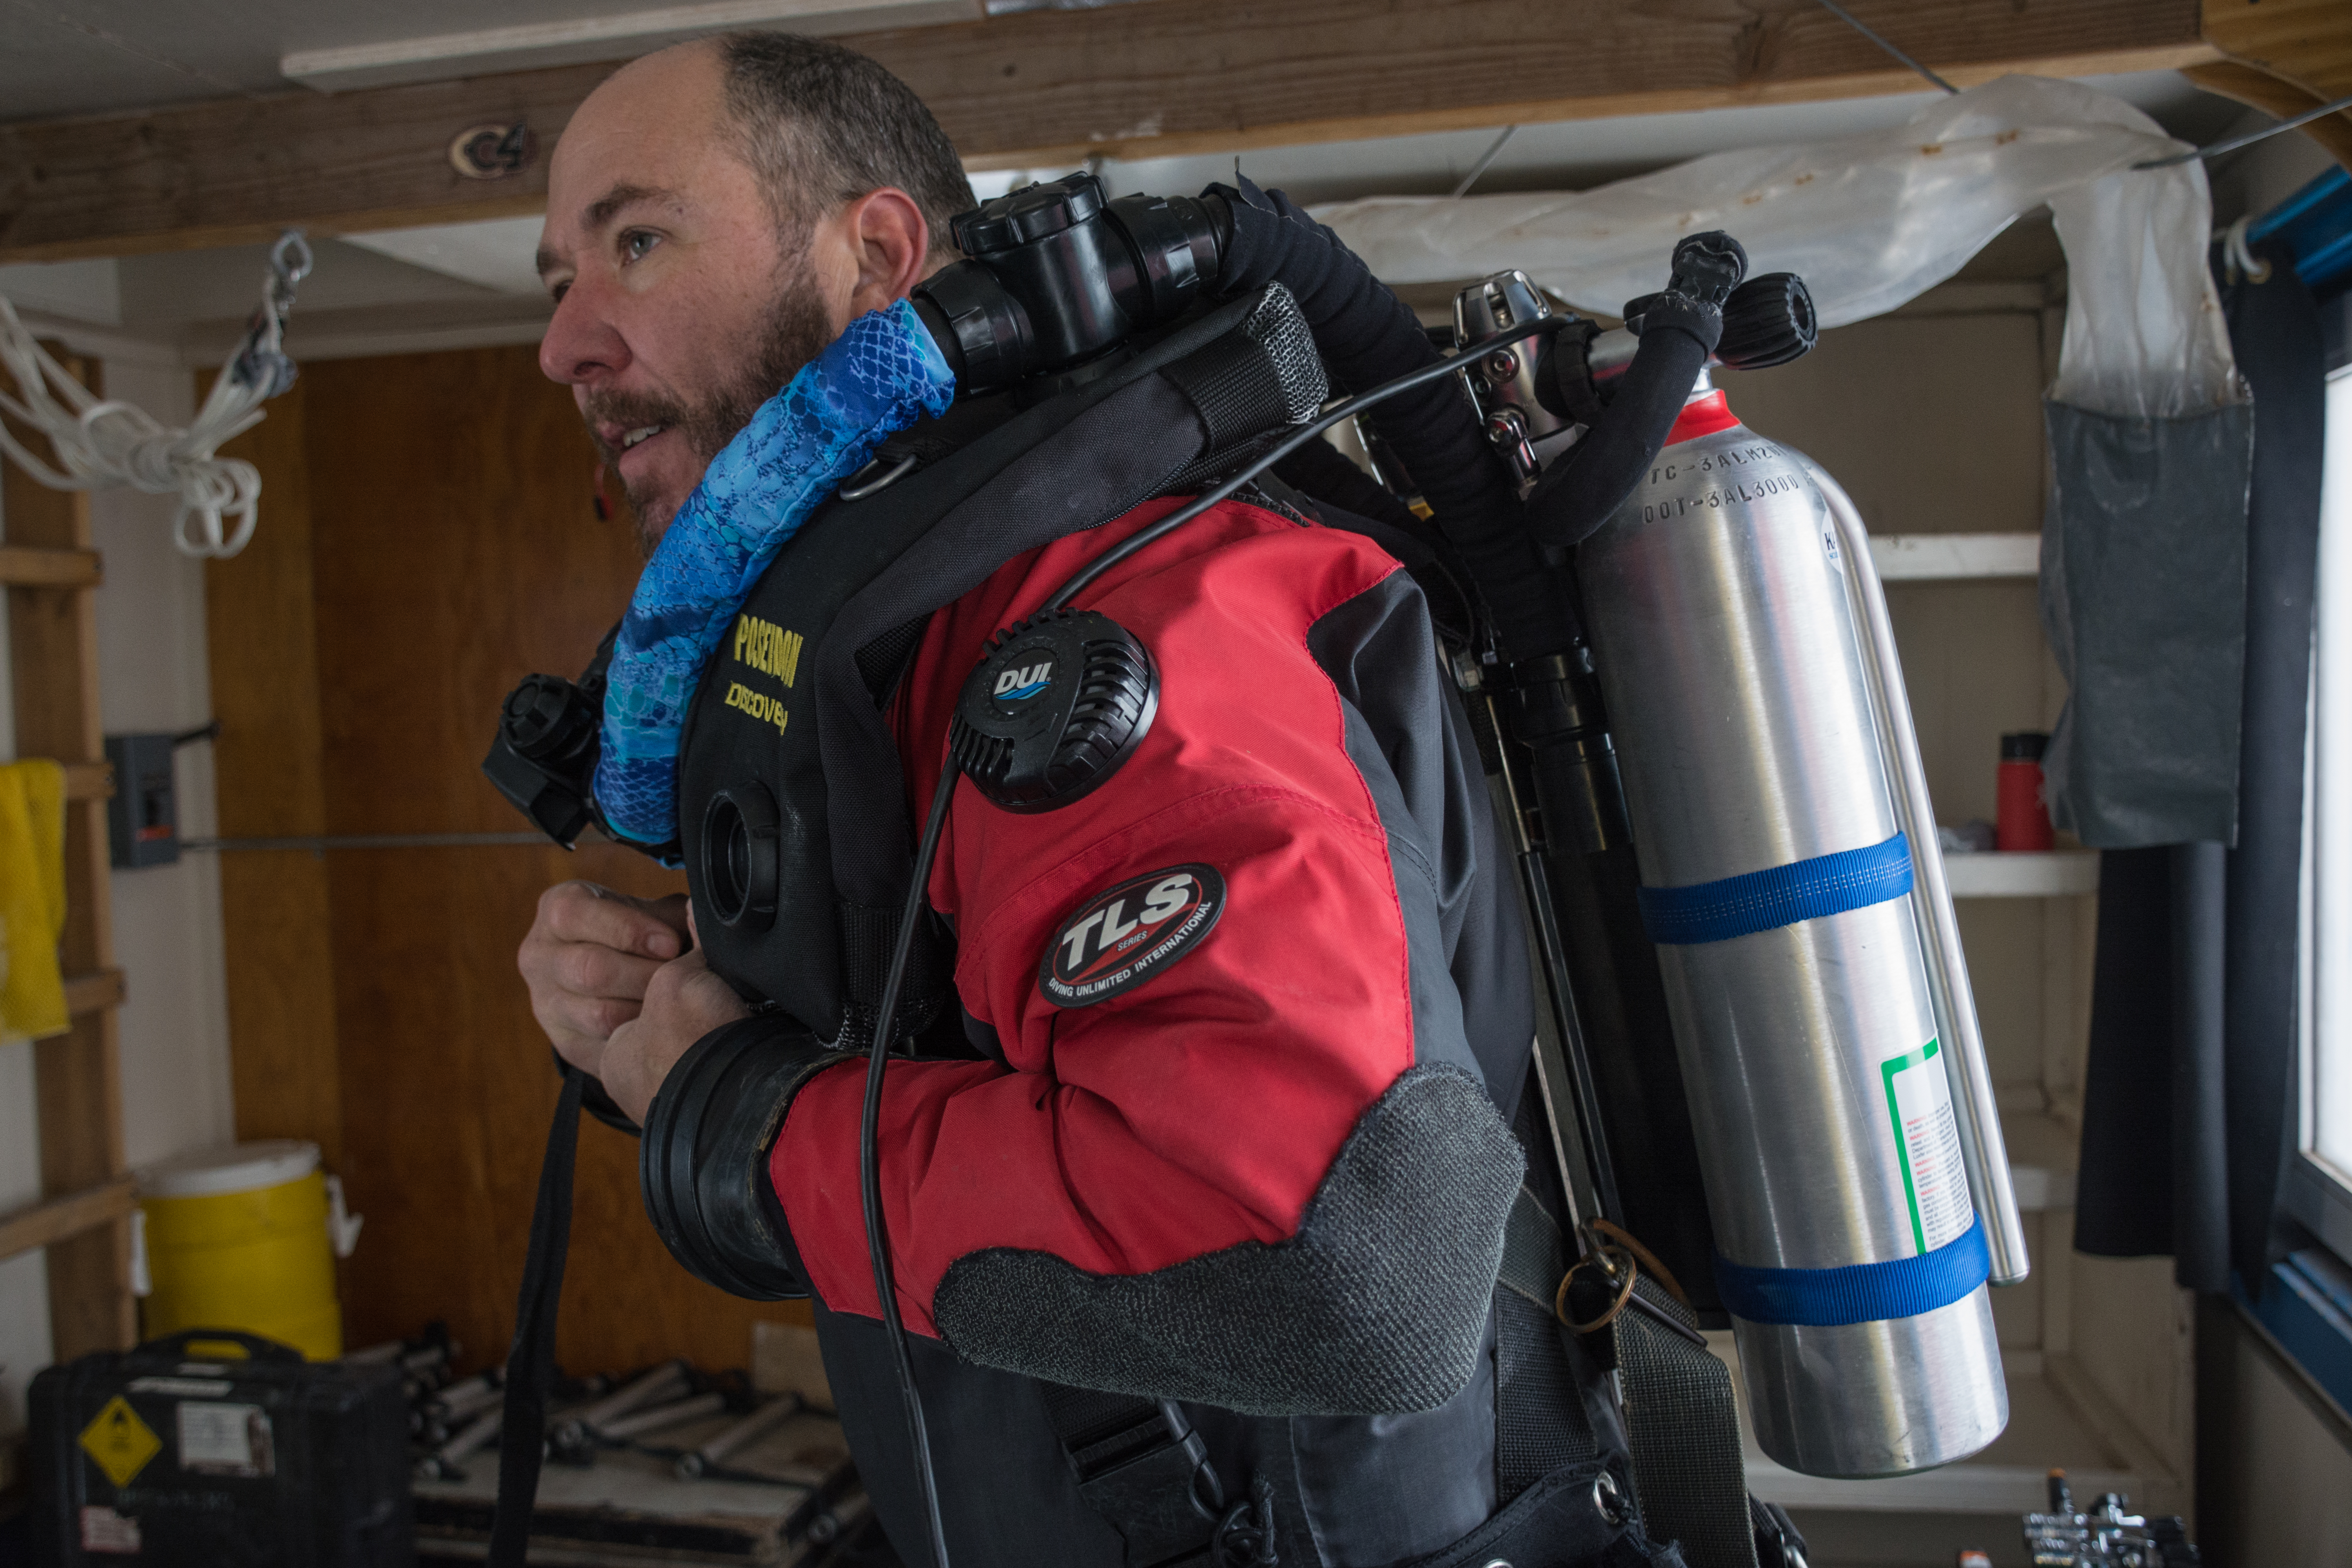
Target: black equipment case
[162,1456]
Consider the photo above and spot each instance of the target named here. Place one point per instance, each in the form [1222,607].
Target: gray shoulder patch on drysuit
[1377,1305]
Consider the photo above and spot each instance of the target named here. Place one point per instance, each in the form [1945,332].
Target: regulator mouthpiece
[545,753]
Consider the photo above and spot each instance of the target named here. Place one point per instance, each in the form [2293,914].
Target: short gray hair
[822,125]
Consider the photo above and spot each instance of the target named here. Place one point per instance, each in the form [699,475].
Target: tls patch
[1120,938]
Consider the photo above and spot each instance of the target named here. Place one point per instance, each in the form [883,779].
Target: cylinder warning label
[1935,1181]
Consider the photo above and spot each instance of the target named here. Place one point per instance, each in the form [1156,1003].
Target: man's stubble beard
[794,331]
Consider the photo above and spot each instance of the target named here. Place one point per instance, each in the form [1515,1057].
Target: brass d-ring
[1609,1259]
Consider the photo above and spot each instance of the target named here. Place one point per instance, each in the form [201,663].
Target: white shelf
[1945,557]
[2042,1154]
[2009,1478]
[2018,874]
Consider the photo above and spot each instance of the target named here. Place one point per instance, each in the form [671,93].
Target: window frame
[2317,1190]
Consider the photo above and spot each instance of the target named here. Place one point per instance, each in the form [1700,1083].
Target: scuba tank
[1793,886]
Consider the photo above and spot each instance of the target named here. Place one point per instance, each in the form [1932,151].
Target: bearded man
[1199,1260]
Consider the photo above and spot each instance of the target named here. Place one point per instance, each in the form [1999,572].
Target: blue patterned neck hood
[872,380]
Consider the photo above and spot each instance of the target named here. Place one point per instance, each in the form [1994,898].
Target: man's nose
[581,345]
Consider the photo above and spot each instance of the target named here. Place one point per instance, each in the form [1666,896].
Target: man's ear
[892,242]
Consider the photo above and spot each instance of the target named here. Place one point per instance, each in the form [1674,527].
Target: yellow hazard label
[120,1442]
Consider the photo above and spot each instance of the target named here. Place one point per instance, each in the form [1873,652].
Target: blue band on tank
[1764,900]
[1860,1292]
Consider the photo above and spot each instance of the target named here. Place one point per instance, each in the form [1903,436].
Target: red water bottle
[2022,819]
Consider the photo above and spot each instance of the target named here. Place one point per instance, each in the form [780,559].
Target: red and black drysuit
[1269,1179]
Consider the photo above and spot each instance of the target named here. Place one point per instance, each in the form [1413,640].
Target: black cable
[1848,17]
[1460,364]
[870,1156]
[2231,144]
[1479,167]
[1367,338]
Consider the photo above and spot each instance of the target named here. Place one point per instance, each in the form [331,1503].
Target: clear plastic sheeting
[2145,338]
[2144,543]
[1870,221]
[2143,582]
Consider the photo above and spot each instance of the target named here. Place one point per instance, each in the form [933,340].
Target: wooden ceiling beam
[2307,43]
[2281,100]
[2284,57]
[1040,87]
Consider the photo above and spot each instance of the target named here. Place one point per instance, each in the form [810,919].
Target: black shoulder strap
[1540,1420]
[1681,1428]
[531,1363]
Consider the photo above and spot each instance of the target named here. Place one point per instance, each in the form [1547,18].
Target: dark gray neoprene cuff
[703,1165]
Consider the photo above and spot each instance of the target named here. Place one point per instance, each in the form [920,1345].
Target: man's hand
[588,958]
[684,1002]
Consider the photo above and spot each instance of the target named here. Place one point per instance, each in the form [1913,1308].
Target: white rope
[104,442]
[2239,259]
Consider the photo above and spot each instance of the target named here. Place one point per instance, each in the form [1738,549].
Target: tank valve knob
[1768,320]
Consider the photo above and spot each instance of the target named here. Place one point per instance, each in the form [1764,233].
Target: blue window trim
[2307,1305]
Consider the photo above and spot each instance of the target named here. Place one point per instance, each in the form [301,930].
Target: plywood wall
[431,540]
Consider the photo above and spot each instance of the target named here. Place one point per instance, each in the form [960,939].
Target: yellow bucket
[241,1239]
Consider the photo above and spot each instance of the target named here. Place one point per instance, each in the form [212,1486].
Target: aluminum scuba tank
[1795,890]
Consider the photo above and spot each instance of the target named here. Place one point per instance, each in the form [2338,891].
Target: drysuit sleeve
[1235,1145]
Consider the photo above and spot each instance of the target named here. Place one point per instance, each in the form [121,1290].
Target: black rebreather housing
[1056,274]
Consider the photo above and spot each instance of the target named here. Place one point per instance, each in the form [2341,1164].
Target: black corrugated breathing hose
[1369,338]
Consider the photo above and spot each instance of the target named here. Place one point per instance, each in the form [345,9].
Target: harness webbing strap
[1782,895]
[531,1363]
[1539,1420]
[1681,1424]
[1684,1430]
[868,935]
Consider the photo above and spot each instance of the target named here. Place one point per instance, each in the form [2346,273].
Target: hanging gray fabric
[2144,601]
[2187,1109]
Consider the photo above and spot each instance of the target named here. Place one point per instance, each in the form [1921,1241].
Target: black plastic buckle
[1778,1545]
[1153,1481]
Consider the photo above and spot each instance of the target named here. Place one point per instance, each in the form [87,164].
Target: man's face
[680,304]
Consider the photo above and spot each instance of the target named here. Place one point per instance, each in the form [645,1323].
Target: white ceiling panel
[79,290]
[497,254]
[93,56]
[587,36]
[169,289]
